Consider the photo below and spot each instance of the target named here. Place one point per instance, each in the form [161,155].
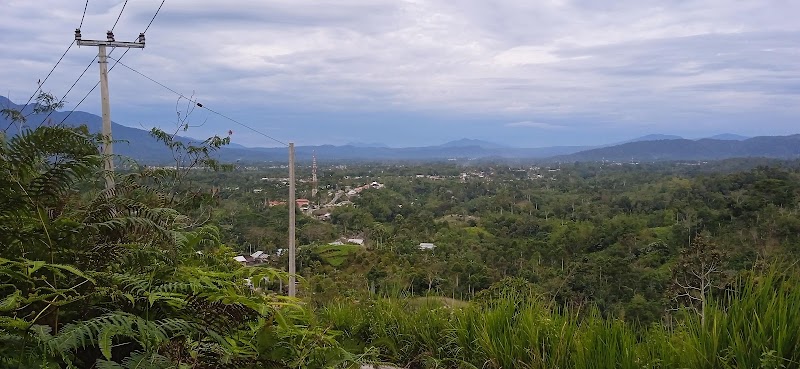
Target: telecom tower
[314,183]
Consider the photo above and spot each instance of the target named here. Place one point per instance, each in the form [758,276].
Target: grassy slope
[335,255]
[757,327]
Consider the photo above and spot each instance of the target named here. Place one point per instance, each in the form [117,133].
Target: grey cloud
[573,63]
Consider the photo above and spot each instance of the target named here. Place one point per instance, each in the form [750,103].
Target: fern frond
[99,331]
[26,151]
[138,360]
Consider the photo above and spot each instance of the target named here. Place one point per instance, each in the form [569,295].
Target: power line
[95,85]
[40,84]
[84,13]
[39,87]
[243,125]
[154,16]
[63,98]
[194,101]
[120,15]
[109,55]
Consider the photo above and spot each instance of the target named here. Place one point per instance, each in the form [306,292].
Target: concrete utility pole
[102,60]
[292,205]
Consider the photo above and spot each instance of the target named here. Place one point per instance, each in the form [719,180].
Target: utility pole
[292,205]
[102,60]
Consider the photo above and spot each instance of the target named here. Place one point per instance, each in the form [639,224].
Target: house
[303,203]
[255,258]
[336,243]
[244,260]
[357,241]
[259,256]
[426,246]
[276,203]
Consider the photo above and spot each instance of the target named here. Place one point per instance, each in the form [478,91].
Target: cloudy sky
[526,73]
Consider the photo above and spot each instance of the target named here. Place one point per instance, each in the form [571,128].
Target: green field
[335,255]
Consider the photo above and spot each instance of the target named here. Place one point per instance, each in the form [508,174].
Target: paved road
[335,198]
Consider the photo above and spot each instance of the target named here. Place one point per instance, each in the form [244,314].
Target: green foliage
[335,255]
[119,278]
[755,326]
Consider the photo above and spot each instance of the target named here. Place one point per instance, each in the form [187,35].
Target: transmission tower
[314,184]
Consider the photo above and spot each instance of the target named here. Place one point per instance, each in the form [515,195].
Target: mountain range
[139,145]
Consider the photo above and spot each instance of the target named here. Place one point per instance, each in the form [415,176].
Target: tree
[317,232]
[697,272]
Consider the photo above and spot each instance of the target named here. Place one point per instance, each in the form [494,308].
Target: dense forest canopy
[610,234]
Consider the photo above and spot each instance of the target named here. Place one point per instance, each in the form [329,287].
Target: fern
[138,360]
[99,331]
[146,298]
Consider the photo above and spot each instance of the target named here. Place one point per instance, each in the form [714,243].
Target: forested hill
[786,147]
[138,144]
[131,142]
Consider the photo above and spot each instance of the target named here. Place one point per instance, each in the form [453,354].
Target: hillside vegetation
[121,278]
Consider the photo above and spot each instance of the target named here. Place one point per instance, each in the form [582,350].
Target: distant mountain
[787,147]
[366,144]
[468,142]
[729,137]
[653,137]
[331,153]
[139,145]
[132,142]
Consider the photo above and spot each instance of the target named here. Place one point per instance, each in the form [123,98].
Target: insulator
[110,36]
[141,38]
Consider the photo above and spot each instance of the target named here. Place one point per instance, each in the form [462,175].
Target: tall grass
[756,325]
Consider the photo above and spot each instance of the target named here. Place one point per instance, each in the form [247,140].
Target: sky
[423,72]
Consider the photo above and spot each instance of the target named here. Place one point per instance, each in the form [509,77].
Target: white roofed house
[426,246]
[240,259]
[357,241]
[260,256]
[257,257]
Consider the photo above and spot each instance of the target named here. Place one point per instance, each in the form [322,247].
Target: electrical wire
[109,56]
[84,13]
[119,16]
[95,85]
[154,16]
[39,87]
[194,101]
[63,98]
